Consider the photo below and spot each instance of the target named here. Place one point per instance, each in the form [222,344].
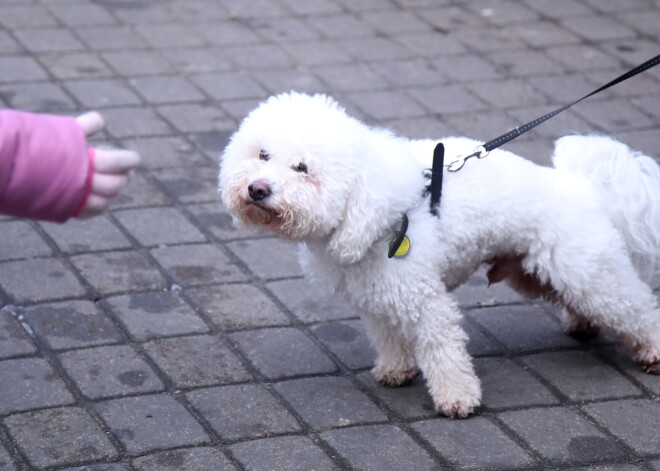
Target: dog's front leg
[395,364]
[440,348]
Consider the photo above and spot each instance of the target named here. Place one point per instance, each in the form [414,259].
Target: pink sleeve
[44,167]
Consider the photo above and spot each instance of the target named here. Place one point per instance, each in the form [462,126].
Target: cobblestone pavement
[158,337]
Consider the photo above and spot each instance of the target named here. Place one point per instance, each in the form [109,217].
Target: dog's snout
[259,190]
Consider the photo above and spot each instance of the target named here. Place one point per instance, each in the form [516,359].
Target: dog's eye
[301,167]
[264,155]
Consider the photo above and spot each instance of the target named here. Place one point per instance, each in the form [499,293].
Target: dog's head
[293,165]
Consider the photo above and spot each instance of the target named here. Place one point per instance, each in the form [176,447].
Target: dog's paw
[458,409]
[394,378]
[652,368]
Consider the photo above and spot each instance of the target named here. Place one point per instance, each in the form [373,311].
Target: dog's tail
[629,183]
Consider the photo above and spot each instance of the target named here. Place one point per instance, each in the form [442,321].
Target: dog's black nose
[259,190]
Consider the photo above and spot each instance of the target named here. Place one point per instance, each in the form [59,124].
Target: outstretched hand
[112,169]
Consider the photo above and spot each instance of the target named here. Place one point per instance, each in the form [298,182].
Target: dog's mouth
[260,214]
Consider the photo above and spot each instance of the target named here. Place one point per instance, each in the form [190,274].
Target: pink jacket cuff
[44,166]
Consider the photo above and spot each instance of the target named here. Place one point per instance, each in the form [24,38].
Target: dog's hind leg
[605,290]
[395,365]
[441,353]
[578,326]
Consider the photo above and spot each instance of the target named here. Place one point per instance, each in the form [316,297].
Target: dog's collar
[400,244]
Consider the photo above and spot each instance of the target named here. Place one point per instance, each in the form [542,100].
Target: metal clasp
[479,152]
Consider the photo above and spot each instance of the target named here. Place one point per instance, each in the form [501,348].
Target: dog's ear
[362,223]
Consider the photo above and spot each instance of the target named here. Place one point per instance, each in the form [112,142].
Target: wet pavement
[159,337]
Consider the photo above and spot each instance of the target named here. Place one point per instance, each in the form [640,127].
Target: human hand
[112,171]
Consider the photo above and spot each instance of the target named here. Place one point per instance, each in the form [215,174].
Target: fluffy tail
[629,183]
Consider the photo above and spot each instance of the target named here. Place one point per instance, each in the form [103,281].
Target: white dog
[584,234]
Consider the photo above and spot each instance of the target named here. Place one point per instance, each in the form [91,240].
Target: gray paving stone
[447,99]
[506,385]
[522,328]
[99,467]
[230,85]
[563,436]
[164,89]
[110,371]
[79,236]
[190,185]
[14,340]
[141,192]
[348,340]
[38,97]
[39,280]
[71,324]
[149,423]
[162,152]
[196,117]
[223,33]
[375,49]
[148,13]
[26,16]
[170,35]
[218,222]
[30,383]
[131,122]
[75,65]
[285,29]
[112,272]
[350,77]
[580,375]
[626,117]
[340,25]
[6,463]
[109,37]
[479,344]
[78,15]
[389,448]
[476,292]
[260,56]
[411,401]
[620,355]
[387,104]
[102,93]
[598,28]
[20,240]
[282,453]
[201,60]
[508,93]
[261,414]
[308,303]
[489,447]
[7,44]
[191,265]
[185,459]
[329,402]
[239,306]
[48,40]
[631,421]
[284,80]
[20,68]
[197,361]
[268,258]
[467,68]
[150,315]
[283,352]
[131,63]
[62,436]
[156,226]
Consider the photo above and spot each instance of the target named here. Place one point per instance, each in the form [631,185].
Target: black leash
[400,244]
[483,150]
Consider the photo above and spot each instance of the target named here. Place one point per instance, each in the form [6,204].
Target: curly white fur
[582,234]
